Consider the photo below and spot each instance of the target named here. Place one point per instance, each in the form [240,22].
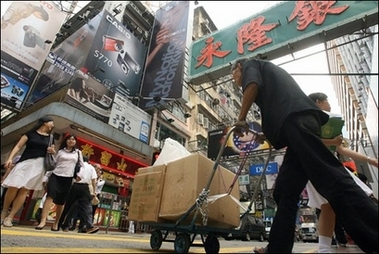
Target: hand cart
[185,234]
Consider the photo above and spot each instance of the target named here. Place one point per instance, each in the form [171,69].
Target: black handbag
[50,161]
[77,166]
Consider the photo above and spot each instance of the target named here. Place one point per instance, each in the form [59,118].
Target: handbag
[77,167]
[50,161]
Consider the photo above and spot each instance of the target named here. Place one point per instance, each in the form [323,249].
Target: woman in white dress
[28,173]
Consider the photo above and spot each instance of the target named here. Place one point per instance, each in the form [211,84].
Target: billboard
[235,145]
[283,29]
[99,60]
[116,57]
[64,60]
[130,119]
[16,79]
[25,27]
[165,61]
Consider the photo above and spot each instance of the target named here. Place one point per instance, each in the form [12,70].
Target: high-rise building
[355,58]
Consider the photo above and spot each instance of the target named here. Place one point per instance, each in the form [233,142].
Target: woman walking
[60,179]
[28,173]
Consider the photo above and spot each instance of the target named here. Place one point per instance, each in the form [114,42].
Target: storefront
[119,154]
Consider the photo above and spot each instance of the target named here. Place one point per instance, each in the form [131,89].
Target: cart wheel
[212,245]
[156,239]
[182,243]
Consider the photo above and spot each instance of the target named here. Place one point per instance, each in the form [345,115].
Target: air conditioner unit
[206,123]
[200,119]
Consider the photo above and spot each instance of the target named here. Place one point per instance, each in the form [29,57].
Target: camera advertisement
[27,28]
[116,57]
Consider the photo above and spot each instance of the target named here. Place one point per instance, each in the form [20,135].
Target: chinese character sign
[278,31]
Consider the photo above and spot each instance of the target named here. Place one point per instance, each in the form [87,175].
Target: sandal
[7,222]
[260,250]
[5,214]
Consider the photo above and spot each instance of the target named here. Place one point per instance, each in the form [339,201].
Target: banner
[25,27]
[235,145]
[165,62]
[16,79]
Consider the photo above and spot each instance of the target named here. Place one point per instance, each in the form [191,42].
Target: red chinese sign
[212,49]
[314,11]
[109,160]
[254,34]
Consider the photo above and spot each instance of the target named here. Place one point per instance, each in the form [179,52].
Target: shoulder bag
[50,161]
[77,166]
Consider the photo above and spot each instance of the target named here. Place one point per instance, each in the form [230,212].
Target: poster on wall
[235,145]
[25,28]
[130,119]
[16,79]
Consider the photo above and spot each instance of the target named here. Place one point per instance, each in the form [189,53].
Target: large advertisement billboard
[116,57]
[105,58]
[25,27]
[165,62]
[234,146]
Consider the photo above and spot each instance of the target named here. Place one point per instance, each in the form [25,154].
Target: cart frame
[185,234]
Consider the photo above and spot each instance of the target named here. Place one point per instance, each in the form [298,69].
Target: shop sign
[109,160]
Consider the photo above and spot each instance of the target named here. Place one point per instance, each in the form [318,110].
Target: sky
[225,13]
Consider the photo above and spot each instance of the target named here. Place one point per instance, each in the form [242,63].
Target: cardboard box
[184,181]
[146,195]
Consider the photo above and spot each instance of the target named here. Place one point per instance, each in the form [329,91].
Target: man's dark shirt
[278,96]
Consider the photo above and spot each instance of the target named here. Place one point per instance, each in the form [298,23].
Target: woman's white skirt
[26,174]
[316,199]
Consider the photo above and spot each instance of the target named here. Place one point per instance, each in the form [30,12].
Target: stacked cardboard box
[166,192]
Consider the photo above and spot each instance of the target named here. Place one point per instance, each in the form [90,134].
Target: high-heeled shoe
[39,228]
[53,229]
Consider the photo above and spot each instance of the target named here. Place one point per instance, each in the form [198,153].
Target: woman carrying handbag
[28,173]
[59,180]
